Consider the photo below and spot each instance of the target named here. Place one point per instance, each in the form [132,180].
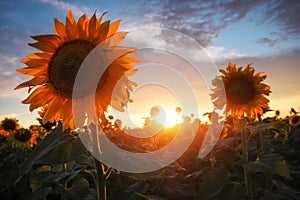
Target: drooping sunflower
[54,69]
[22,138]
[9,124]
[241,90]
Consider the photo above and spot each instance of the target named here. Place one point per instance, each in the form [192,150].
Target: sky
[265,33]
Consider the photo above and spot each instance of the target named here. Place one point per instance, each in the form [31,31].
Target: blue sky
[263,32]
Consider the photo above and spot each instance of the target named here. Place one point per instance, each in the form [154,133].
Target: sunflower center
[240,90]
[22,135]
[9,125]
[65,63]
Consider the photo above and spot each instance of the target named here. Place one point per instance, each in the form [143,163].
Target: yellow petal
[53,108]
[99,20]
[47,38]
[92,27]
[82,26]
[70,17]
[70,28]
[46,56]
[43,90]
[35,62]
[59,28]
[102,31]
[117,38]
[33,82]
[113,27]
[41,101]
[33,71]
[44,46]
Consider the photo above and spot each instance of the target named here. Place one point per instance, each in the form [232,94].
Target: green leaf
[270,163]
[81,193]
[232,191]
[39,194]
[8,175]
[259,167]
[266,126]
[281,169]
[40,150]
[68,150]
[213,183]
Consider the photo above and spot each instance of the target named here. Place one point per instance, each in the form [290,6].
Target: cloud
[12,115]
[204,20]
[286,14]
[218,53]
[77,10]
[266,41]
[13,41]
[199,20]
[10,78]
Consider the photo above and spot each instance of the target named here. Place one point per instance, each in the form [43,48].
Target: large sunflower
[55,68]
[244,92]
[22,138]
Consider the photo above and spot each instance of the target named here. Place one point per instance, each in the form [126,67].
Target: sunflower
[22,138]
[294,120]
[54,69]
[9,124]
[244,92]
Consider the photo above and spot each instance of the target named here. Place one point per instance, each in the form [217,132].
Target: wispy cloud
[197,19]
[266,41]
[10,78]
[76,9]
[13,41]
[218,53]
[12,115]
[203,20]
[285,13]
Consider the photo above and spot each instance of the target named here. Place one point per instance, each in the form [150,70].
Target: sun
[167,117]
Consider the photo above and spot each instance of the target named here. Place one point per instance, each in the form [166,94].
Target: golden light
[167,118]
[144,99]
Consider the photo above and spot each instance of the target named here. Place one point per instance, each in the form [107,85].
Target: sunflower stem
[101,180]
[248,183]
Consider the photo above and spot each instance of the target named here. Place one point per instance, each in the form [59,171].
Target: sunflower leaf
[40,150]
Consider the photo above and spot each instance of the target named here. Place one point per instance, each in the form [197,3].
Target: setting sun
[137,111]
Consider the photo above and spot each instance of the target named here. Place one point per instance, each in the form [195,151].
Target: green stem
[102,176]
[261,141]
[246,172]
[65,169]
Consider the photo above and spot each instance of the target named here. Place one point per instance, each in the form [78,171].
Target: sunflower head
[22,138]
[294,120]
[54,69]
[241,90]
[9,124]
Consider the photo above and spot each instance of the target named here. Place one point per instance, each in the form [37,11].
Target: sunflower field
[59,167]
[254,157]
